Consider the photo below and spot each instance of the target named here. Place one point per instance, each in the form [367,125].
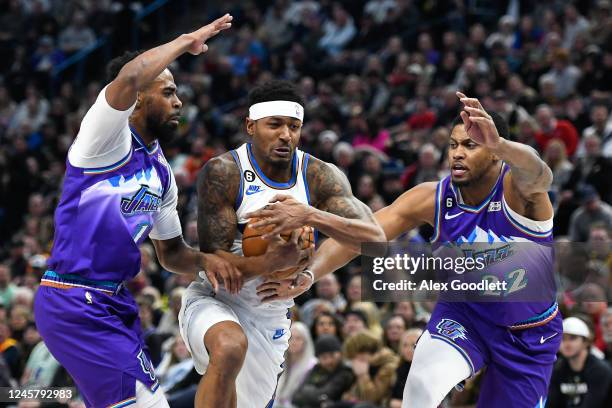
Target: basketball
[254,245]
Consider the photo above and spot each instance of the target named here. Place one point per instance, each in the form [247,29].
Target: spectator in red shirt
[553,128]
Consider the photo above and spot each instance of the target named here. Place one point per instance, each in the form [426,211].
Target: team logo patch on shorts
[451,329]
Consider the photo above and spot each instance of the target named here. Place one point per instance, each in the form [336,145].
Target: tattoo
[218,183]
[330,191]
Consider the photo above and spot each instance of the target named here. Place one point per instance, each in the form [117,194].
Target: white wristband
[310,275]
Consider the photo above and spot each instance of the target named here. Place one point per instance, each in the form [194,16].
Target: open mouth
[458,170]
[282,151]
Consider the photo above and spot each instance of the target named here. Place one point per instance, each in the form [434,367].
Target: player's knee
[228,350]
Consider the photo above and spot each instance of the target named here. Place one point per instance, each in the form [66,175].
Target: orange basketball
[254,245]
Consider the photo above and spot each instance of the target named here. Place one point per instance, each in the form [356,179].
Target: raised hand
[478,123]
[199,37]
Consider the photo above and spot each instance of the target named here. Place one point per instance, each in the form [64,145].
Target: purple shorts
[518,363]
[96,336]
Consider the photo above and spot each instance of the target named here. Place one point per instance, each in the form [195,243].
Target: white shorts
[268,340]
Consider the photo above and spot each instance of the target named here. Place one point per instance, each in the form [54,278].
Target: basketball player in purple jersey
[118,190]
[497,192]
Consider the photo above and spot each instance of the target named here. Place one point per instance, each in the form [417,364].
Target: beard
[164,131]
[476,179]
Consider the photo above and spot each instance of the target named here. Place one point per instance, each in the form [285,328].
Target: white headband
[276,108]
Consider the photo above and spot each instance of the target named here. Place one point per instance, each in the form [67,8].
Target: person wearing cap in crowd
[592,210]
[328,379]
[579,378]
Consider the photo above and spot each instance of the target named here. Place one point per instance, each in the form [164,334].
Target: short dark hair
[115,65]
[275,90]
[500,124]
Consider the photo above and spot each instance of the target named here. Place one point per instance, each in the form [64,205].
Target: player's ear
[250,126]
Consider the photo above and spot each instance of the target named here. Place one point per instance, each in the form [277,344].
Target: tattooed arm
[218,184]
[335,211]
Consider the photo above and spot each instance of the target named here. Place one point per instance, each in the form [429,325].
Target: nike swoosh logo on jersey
[254,190]
[543,339]
[278,334]
[447,216]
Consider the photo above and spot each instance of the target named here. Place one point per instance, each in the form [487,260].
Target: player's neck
[274,173]
[140,127]
[476,192]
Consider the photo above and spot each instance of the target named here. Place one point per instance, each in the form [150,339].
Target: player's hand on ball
[218,270]
[478,123]
[283,213]
[288,254]
[284,289]
[199,37]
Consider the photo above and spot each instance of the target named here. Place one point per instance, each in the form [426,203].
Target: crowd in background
[379,78]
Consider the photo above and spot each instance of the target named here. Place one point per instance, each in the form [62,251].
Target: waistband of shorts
[70,281]
[539,320]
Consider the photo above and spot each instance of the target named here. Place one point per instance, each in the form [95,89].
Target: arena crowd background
[379,78]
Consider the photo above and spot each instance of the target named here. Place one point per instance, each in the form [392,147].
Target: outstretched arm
[138,73]
[104,136]
[218,183]
[529,179]
[413,208]
[335,211]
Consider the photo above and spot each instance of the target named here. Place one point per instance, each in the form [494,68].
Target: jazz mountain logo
[142,201]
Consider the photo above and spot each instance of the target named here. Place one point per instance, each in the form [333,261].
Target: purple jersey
[495,223]
[104,214]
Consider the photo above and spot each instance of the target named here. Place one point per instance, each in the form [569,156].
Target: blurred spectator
[601,127]
[355,321]
[593,169]
[579,379]
[77,35]
[328,288]
[553,128]
[606,327]
[338,31]
[299,361]
[426,169]
[326,324]
[176,371]
[169,320]
[328,380]
[373,366]
[591,210]
[9,347]
[556,158]
[394,330]
[406,352]
[7,288]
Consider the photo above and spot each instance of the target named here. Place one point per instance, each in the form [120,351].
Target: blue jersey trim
[68,278]
[527,231]
[265,179]
[437,213]
[542,316]
[141,142]
[91,171]
[305,160]
[241,189]
[481,206]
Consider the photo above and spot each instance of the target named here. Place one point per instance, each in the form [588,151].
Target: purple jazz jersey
[89,323]
[516,341]
[105,214]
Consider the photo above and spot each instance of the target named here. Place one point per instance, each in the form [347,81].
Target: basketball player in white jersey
[237,342]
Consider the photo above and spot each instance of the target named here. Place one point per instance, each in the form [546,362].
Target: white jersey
[256,190]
